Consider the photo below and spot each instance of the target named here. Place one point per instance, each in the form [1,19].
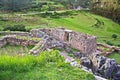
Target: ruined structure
[83,42]
[12,40]
[3,33]
[65,40]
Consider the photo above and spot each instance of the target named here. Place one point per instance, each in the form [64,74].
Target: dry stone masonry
[3,33]
[12,40]
[83,42]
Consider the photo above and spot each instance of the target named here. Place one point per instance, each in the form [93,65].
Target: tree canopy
[14,5]
[74,3]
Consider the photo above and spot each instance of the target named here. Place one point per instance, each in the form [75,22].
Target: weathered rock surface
[86,62]
[78,54]
[103,66]
[117,75]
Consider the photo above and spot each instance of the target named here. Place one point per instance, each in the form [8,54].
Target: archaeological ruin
[83,42]
[66,40]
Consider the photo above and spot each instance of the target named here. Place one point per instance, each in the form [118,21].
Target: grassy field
[83,21]
[47,66]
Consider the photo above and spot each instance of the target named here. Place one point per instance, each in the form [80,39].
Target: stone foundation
[12,40]
[3,33]
[83,42]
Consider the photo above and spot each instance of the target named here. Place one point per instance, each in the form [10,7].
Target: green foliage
[13,50]
[109,43]
[74,3]
[48,66]
[15,28]
[109,9]
[55,14]
[15,5]
[114,36]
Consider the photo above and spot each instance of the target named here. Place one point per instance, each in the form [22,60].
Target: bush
[109,43]
[15,28]
[114,36]
[118,45]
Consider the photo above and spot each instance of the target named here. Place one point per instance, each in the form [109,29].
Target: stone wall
[14,33]
[22,42]
[12,40]
[3,42]
[83,42]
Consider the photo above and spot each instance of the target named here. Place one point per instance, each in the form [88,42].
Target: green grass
[28,38]
[115,56]
[48,66]
[81,22]
[13,50]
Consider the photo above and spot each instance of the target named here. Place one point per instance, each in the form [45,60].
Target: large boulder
[117,75]
[110,68]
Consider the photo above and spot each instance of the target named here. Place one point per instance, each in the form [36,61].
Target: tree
[15,5]
[107,8]
[74,3]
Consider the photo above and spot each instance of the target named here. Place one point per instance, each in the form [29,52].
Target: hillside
[81,21]
[56,39]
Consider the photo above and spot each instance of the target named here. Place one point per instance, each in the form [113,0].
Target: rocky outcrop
[86,62]
[104,67]
[117,75]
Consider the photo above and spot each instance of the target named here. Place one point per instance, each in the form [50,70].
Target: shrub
[14,28]
[109,43]
[114,36]
[118,45]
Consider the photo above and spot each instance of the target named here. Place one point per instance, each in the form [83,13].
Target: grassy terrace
[88,23]
[47,66]
[80,21]
[28,38]
[14,50]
